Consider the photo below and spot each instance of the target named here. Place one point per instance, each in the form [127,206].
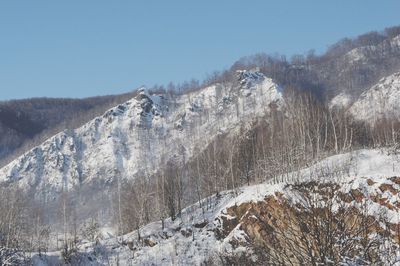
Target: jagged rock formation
[138,137]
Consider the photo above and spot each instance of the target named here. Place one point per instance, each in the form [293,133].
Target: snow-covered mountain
[365,183]
[355,65]
[381,100]
[137,137]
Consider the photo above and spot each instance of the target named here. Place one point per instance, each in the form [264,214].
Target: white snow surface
[350,171]
[138,136]
[380,101]
[342,100]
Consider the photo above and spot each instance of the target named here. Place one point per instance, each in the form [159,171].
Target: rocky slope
[347,201]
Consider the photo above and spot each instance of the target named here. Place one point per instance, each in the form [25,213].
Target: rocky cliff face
[139,136]
[315,222]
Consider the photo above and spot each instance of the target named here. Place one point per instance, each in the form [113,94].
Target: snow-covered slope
[381,100]
[365,53]
[231,221]
[342,100]
[138,136]
[358,69]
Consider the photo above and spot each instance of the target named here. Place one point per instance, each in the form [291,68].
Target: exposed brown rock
[357,195]
[382,201]
[228,225]
[275,224]
[395,179]
[345,197]
[388,187]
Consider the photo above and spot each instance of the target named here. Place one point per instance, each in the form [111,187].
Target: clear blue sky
[80,48]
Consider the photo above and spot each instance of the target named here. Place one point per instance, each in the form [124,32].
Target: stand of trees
[22,227]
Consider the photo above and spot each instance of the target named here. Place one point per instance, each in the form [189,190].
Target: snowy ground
[190,239]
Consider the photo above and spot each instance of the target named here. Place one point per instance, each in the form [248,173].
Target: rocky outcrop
[314,223]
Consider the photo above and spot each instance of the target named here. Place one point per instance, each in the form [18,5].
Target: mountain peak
[250,78]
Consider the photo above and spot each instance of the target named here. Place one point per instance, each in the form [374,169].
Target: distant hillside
[381,101]
[350,66]
[28,122]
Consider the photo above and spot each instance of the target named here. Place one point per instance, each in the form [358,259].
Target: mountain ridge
[138,137]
